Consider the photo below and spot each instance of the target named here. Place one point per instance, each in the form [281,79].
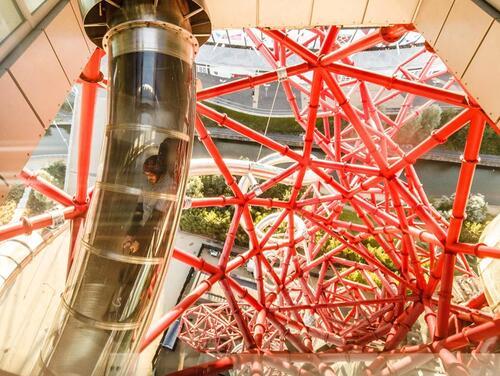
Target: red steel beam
[479,250]
[239,318]
[393,83]
[49,190]
[384,34]
[28,225]
[90,78]
[285,40]
[393,217]
[165,321]
[215,367]
[249,82]
[464,184]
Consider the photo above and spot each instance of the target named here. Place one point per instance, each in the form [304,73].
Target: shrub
[194,187]
[214,222]
[471,232]
[358,277]
[489,145]
[57,173]
[476,215]
[476,209]
[435,117]
[421,127]
[10,203]
[382,256]
[37,202]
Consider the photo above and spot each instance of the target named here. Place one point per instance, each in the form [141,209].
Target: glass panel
[34,4]
[10,18]
[68,350]
[112,292]
[133,214]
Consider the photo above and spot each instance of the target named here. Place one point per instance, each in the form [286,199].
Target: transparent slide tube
[136,203]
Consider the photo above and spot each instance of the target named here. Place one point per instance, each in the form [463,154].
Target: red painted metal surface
[307,292]
[46,188]
[366,172]
[90,79]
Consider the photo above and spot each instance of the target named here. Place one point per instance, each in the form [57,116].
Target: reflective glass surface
[134,211]
[10,18]
[34,4]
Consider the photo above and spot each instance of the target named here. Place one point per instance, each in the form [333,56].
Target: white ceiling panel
[461,35]
[431,16]
[383,12]
[483,78]
[227,14]
[338,12]
[279,13]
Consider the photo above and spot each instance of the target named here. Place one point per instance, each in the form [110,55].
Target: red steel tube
[470,159]
[402,325]
[165,321]
[223,120]
[49,190]
[470,334]
[219,161]
[437,137]
[392,33]
[417,88]
[90,78]
[210,368]
[28,225]
[355,121]
[249,82]
[479,250]
[250,343]
[300,50]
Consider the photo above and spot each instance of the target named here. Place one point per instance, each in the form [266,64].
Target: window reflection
[10,18]
[34,4]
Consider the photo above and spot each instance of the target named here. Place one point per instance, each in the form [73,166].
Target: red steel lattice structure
[304,293]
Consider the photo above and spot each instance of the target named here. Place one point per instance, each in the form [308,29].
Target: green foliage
[214,185]
[411,133]
[435,117]
[351,255]
[421,127]
[476,209]
[382,256]
[476,215]
[210,222]
[285,125]
[350,216]
[491,142]
[489,145]
[215,222]
[194,187]
[358,277]
[10,203]
[472,231]
[449,113]
[57,173]
[37,203]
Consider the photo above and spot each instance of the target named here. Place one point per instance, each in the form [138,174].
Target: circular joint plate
[94,19]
